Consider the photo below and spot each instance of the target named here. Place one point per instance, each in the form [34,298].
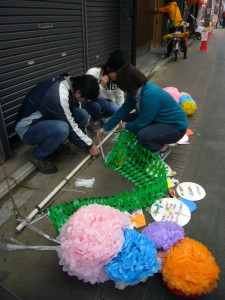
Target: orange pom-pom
[190,269]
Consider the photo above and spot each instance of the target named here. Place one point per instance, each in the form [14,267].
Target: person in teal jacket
[158,119]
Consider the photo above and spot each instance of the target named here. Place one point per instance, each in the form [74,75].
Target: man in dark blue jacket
[51,114]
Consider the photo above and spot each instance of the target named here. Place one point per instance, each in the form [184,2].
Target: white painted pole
[58,188]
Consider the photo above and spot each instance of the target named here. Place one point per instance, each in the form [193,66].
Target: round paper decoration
[168,209]
[190,191]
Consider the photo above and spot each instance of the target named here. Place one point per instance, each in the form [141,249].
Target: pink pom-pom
[90,239]
[173,92]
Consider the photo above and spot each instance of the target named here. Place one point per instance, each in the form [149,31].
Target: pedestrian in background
[50,114]
[110,97]
[158,119]
[176,24]
[223,17]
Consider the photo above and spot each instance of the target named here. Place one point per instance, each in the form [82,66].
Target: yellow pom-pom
[189,107]
[190,269]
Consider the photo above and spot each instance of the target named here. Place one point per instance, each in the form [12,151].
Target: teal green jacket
[156,106]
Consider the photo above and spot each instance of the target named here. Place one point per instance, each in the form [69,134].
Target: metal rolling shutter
[103,29]
[39,40]
[42,39]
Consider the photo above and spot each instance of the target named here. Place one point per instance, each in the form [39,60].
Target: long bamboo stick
[58,188]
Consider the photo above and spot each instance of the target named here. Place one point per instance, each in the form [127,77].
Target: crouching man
[50,114]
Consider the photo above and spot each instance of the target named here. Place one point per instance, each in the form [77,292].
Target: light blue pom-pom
[185,98]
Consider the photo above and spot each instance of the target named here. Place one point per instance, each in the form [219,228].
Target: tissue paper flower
[137,260]
[173,92]
[90,239]
[164,234]
[190,269]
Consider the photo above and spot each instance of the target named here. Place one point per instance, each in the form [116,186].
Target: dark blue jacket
[51,100]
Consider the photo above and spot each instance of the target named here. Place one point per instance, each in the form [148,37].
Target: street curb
[16,177]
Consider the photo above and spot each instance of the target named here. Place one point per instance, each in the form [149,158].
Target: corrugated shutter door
[103,29]
[39,40]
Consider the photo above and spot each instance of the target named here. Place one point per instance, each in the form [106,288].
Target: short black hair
[115,61]
[87,85]
[129,79]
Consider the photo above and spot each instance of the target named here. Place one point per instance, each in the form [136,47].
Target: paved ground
[37,275]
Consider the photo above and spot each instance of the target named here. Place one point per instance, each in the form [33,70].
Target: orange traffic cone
[204,37]
[208,36]
[203,46]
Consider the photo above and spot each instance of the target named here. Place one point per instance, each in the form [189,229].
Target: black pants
[223,23]
[183,43]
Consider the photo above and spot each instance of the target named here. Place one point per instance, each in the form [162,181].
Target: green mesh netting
[138,165]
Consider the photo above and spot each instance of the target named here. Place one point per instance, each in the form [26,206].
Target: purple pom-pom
[164,234]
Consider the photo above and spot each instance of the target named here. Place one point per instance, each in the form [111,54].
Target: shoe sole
[40,169]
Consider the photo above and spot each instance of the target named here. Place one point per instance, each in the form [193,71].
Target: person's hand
[101,133]
[155,11]
[121,125]
[104,80]
[94,151]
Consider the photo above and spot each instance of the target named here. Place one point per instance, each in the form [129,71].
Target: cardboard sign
[168,209]
[191,191]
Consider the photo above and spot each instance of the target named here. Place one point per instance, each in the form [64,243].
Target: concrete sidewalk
[37,275]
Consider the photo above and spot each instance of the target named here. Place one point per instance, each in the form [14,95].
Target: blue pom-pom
[185,98]
[136,261]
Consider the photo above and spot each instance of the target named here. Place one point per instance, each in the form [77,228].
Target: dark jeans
[156,135]
[49,134]
[102,108]
[183,43]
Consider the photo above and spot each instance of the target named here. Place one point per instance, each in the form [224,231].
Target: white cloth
[110,91]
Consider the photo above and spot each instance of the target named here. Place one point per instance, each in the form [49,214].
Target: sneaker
[163,155]
[63,149]
[44,166]
[185,55]
[95,126]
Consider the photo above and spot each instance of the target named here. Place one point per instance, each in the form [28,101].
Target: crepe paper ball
[161,256]
[90,239]
[190,269]
[165,234]
[123,285]
[136,261]
[189,107]
[184,93]
[173,92]
[185,97]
